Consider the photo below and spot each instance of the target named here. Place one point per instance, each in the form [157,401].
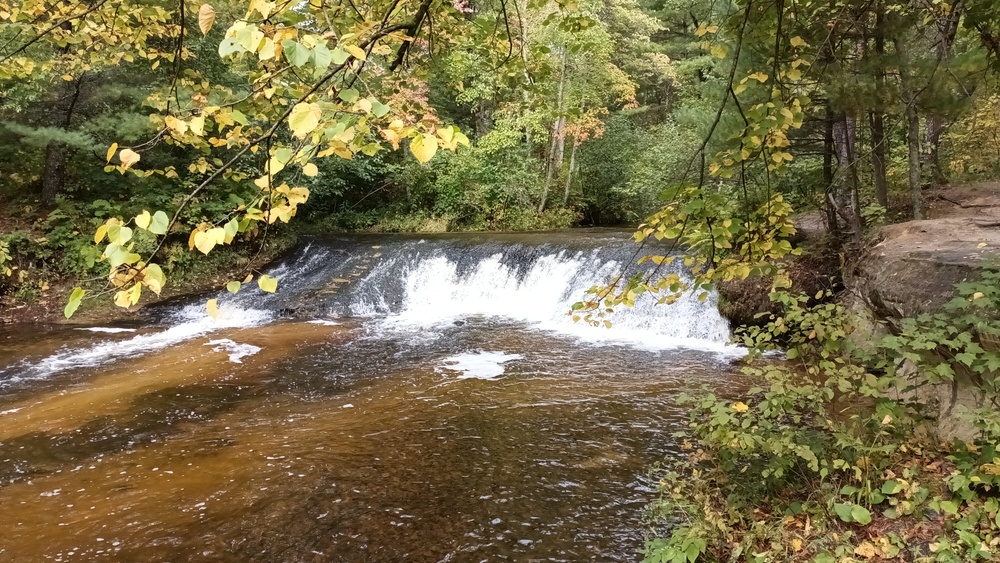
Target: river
[398,399]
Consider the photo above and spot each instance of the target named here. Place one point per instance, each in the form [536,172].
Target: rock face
[914,268]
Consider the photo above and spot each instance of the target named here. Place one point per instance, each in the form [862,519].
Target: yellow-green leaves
[267,283]
[111,151]
[156,223]
[356,52]
[704,29]
[304,119]
[74,301]
[206,17]
[128,158]
[128,297]
[233,286]
[205,241]
[798,42]
[153,278]
[423,147]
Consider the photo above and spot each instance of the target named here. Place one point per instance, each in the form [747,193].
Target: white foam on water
[323,322]
[479,365]
[106,329]
[236,350]
[436,295]
[193,322]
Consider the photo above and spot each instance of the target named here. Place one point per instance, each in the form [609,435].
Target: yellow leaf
[310,170]
[268,50]
[797,544]
[143,219]
[267,283]
[198,125]
[128,158]
[798,42]
[719,51]
[740,406]
[423,147]
[206,17]
[175,124]
[111,151]
[304,119]
[357,52]
[212,306]
[365,105]
[866,550]
[205,242]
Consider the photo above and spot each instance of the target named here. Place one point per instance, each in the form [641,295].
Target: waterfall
[409,283]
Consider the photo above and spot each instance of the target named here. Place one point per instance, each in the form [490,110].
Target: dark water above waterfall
[399,399]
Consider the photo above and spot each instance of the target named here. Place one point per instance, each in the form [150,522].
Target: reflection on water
[341,443]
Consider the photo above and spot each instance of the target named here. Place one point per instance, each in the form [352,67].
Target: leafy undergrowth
[827,460]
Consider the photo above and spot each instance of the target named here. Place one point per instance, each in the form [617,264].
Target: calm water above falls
[399,399]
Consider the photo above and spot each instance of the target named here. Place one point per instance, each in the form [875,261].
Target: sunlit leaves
[267,283]
[423,147]
[212,307]
[75,298]
[128,158]
[206,18]
[233,286]
[304,118]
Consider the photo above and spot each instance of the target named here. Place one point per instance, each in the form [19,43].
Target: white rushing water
[192,322]
[479,365]
[416,288]
[435,293]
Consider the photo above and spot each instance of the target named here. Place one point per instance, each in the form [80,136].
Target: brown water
[337,443]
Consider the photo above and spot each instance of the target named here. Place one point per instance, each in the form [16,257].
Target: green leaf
[159,223]
[349,95]
[233,286]
[267,283]
[229,46]
[891,487]
[296,53]
[322,57]
[378,108]
[824,557]
[861,515]
[339,56]
[843,510]
[74,301]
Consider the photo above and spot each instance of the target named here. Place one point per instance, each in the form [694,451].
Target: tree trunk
[913,128]
[558,144]
[877,117]
[932,149]
[845,190]
[54,177]
[484,118]
[878,158]
[569,173]
[832,225]
[947,30]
